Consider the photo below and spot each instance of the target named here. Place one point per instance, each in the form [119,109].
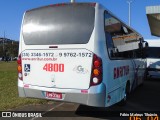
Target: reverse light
[20,76]
[95,80]
[97,73]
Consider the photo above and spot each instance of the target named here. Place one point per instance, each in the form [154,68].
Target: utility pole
[3,43]
[129,11]
[72,1]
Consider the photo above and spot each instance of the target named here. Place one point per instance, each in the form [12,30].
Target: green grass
[8,88]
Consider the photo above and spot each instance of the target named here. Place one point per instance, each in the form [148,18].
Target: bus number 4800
[53,67]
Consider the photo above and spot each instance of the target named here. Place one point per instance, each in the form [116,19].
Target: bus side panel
[118,73]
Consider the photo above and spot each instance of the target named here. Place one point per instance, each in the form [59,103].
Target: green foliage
[10,49]
[8,88]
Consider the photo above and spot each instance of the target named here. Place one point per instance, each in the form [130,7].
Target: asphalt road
[144,98]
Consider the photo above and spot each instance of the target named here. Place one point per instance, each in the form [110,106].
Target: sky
[11,13]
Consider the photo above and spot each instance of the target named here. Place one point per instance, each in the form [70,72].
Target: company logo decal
[121,71]
[79,69]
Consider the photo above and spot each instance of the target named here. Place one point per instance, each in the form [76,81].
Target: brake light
[93,4]
[63,4]
[97,73]
[19,67]
[19,59]
[60,4]
[97,63]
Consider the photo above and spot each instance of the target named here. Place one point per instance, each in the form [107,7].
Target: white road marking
[48,111]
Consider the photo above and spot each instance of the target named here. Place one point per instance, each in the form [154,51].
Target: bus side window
[109,40]
[121,40]
[109,29]
[110,45]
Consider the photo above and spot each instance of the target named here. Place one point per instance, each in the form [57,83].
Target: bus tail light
[19,67]
[96,77]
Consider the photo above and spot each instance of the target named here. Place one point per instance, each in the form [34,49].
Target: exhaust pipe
[72,1]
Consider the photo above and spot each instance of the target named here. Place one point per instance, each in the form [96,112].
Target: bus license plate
[54,95]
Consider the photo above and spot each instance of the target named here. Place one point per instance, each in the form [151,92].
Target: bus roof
[64,4]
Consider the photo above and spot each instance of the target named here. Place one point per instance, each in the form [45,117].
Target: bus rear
[56,59]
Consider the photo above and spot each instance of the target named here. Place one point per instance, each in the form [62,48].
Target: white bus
[153,58]
[80,53]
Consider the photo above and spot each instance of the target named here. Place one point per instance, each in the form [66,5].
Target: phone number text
[54,55]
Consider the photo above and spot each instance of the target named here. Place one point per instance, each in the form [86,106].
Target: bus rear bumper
[94,96]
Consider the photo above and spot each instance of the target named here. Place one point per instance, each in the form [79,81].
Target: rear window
[68,24]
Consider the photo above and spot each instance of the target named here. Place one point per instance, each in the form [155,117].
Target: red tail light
[97,73]
[97,63]
[19,67]
[93,4]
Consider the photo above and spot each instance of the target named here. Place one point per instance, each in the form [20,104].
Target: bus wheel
[145,75]
[124,100]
